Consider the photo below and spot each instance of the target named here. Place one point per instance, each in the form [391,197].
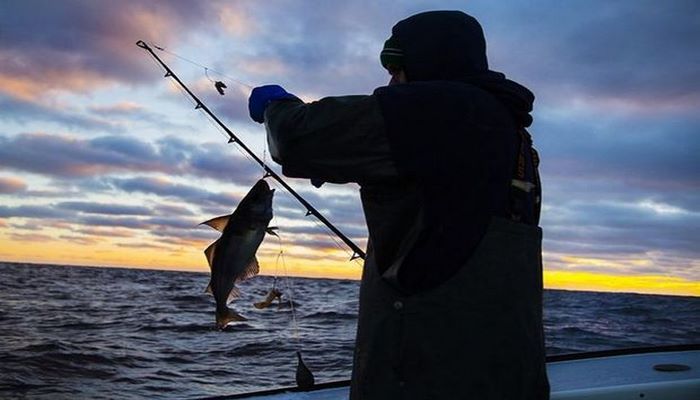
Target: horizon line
[204,272]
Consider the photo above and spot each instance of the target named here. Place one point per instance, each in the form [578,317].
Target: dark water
[71,332]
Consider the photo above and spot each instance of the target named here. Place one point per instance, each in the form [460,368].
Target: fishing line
[206,73]
[320,226]
[274,282]
[304,376]
[264,157]
[337,243]
[290,289]
[206,68]
[310,210]
[222,132]
[206,116]
[191,101]
[184,94]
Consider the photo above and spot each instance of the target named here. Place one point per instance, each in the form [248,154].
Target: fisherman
[451,292]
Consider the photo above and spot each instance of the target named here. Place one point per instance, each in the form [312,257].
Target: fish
[232,256]
[272,295]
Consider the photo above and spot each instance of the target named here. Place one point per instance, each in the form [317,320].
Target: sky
[105,162]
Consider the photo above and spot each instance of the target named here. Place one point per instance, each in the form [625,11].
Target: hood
[441,45]
[450,45]
[517,98]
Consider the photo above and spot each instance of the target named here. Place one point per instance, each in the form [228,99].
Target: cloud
[102,208]
[65,156]
[31,211]
[124,108]
[101,232]
[617,86]
[31,237]
[126,115]
[144,246]
[84,50]
[324,48]
[110,221]
[634,55]
[213,160]
[174,222]
[622,236]
[24,112]
[72,157]
[10,185]
[191,236]
[653,155]
[166,188]
[232,105]
[81,240]
[343,208]
[170,209]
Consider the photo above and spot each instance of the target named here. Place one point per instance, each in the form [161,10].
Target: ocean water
[75,332]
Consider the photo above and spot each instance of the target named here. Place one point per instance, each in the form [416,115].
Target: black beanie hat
[392,55]
[437,45]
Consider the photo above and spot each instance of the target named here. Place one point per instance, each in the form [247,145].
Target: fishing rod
[310,210]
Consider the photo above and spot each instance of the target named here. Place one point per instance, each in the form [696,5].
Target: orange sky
[330,263]
[103,163]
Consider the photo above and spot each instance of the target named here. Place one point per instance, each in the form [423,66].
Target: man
[451,293]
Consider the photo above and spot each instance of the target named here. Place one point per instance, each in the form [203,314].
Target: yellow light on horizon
[601,282]
[313,263]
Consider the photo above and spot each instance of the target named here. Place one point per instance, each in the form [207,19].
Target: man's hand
[261,97]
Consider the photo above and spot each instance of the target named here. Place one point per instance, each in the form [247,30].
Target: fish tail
[226,316]
[262,304]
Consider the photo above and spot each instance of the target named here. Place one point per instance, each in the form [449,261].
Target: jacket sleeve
[335,139]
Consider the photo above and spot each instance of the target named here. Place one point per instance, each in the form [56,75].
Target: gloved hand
[261,97]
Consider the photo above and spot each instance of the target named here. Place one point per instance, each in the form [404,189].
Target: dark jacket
[450,303]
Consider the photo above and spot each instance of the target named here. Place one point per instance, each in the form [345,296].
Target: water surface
[75,332]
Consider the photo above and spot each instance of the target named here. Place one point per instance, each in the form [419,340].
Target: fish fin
[233,295]
[208,289]
[228,316]
[218,223]
[209,252]
[251,270]
[271,230]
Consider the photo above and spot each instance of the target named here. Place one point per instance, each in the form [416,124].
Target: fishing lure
[220,86]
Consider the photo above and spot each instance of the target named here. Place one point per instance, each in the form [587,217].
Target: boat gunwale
[550,359]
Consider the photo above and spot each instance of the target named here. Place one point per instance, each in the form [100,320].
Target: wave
[188,298]
[107,333]
[331,316]
[188,328]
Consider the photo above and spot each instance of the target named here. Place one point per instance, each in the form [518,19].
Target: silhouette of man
[451,292]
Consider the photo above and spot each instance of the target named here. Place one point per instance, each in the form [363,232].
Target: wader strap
[524,193]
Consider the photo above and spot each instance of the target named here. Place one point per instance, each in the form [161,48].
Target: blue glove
[261,97]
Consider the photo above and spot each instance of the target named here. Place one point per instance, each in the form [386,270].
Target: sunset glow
[103,162]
